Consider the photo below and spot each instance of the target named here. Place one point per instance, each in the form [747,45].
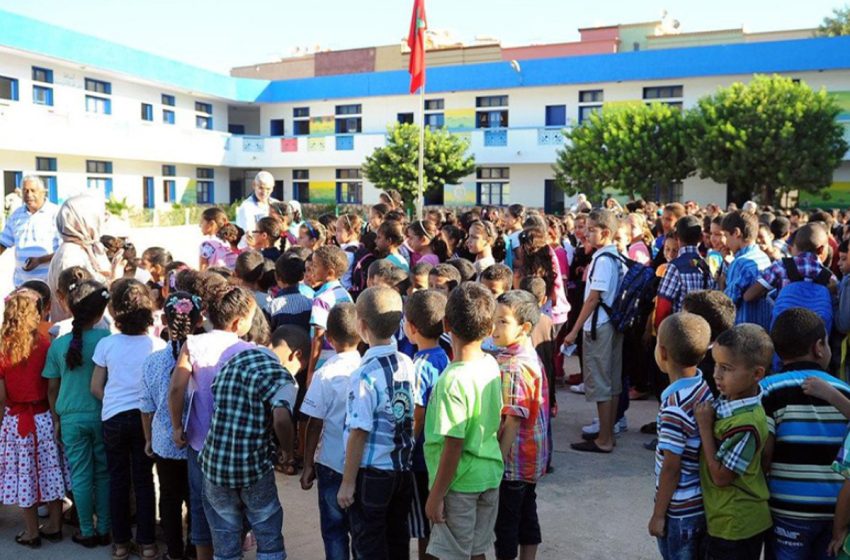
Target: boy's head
[843,261]
[742,356]
[764,239]
[498,278]
[812,238]
[385,274]
[799,335]
[419,277]
[329,263]
[465,268]
[423,315]
[601,226]
[622,237]
[469,313]
[289,270]
[689,231]
[670,215]
[379,314]
[517,313]
[714,306]
[683,340]
[443,278]
[342,327]
[536,286]
[780,227]
[291,345]
[741,229]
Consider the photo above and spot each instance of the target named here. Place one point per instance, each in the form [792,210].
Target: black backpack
[635,296]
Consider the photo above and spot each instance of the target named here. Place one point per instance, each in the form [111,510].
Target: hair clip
[104,294]
[311,230]
[72,286]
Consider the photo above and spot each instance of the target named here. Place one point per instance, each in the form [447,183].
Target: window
[301,121]
[99,105]
[168,100]
[148,197]
[301,185]
[8,88]
[434,104]
[42,75]
[169,170]
[205,188]
[348,124]
[276,127]
[435,120]
[168,116]
[42,95]
[348,109]
[590,101]
[97,86]
[205,173]
[349,186]
[238,129]
[52,186]
[492,185]
[662,92]
[147,112]
[493,118]
[169,190]
[405,118]
[556,115]
[102,185]
[45,164]
[95,166]
[204,122]
[203,107]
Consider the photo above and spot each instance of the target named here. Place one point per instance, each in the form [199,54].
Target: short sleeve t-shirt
[428,364]
[604,277]
[466,404]
[75,400]
[123,355]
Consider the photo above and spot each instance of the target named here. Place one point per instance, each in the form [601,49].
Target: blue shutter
[108,188]
[172,191]
[52,189]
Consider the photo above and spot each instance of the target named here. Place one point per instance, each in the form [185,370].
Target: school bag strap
[605,307]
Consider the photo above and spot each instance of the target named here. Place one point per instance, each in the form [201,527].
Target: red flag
[416,42]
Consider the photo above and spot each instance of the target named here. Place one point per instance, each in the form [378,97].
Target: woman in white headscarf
[79,222]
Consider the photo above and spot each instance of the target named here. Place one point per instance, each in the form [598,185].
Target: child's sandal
[148,551]
[120,551]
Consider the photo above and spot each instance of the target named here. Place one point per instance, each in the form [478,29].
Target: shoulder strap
[824,276]
[791,269]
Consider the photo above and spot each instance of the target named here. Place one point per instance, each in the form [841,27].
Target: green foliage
[837,24]
[633,149]
[117,207]
[767,137]
[396,165]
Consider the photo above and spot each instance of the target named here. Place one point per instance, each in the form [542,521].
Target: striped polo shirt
[32,235]
[808,433]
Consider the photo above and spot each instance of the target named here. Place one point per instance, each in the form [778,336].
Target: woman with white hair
[257,206]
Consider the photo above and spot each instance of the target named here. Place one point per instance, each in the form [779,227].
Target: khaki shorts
[470,525]
[603,364]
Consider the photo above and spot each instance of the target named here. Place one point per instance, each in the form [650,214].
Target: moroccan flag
[416,42]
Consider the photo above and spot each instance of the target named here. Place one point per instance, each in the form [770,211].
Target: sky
[220,34]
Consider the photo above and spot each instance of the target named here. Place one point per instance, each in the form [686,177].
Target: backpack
[805,292]
[689,262]
[635,296]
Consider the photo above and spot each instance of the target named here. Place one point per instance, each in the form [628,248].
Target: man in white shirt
[31,230]
[256,206]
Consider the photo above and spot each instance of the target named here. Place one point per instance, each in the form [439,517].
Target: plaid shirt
[239,449]
[776,277]
[676,283]
[739,449]
[523,397]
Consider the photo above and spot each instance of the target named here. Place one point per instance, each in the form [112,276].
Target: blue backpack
[805,292]
[635,296]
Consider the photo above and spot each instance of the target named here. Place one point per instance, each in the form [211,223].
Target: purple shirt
[208,353]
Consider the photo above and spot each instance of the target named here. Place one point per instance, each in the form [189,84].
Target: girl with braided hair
[30,464]
[182,312]
[69,371]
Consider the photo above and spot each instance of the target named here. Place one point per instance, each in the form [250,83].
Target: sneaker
[621,426]
[591,431]
[577,389]
[592,428]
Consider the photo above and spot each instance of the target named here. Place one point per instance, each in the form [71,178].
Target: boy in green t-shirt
[735,492]
[461,424]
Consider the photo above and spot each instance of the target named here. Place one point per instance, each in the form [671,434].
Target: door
[554,198]
[236,192]
[277,193]
[52,188]
[11,181]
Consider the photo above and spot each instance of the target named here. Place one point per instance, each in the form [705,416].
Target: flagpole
[421,188]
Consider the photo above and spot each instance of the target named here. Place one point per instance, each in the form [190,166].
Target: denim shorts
[684,538]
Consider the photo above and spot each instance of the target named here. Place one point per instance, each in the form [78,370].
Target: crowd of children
[408,369]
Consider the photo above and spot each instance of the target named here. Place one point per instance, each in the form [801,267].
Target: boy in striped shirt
[678,519]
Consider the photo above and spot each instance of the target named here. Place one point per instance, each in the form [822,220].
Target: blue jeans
[225,508]
[378,516]
[792,539]
[334,519]
[200,528]
[683,539]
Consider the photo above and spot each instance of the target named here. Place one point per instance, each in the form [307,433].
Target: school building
[90,115]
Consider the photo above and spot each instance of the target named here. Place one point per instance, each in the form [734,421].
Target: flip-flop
[589,446]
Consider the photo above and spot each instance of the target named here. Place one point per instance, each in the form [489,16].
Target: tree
[396,165]
[836,25]
[767,137]
[634,149]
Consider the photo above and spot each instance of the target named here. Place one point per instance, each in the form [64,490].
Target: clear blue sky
[219,34]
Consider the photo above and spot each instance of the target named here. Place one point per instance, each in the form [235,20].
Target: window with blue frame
[492,186]
[96,166]
[203,122]
[405,118]
[301,185]
[201,107]
[169,170]
[276,127]
[148,193]
[40,74]
[8,88]
[205,173]
[494,113]
[42,95]
[102,185]
[169,190]
[168,100]
[147,112]
[52,186]
[98,86]
[556,115]
[45,164]
[435,120]
[349,186]
[204,192]
[348,119]
[99,105]
[168,116]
